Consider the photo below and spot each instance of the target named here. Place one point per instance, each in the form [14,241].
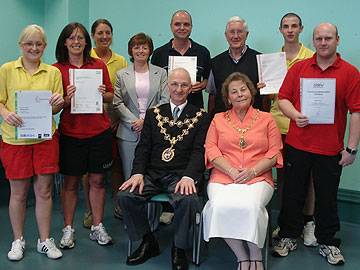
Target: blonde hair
[30,30]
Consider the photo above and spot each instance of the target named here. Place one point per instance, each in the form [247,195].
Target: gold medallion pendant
[242,131]
[168,154]
[242,143]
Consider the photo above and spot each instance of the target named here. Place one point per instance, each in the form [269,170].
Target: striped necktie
[176,113]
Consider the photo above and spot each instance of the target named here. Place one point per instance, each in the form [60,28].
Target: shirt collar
[181,107]
[248,117]
[191,47]
[112,58]
[19,64]
[172,46]
[302,54]
[336,63]
[242,53]
[84,65]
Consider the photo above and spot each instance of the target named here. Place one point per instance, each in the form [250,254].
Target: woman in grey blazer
[138,87]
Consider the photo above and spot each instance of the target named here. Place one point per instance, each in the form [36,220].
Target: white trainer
[49,248]
[332,254]
[284,246]
[68,239]
[98,233]
[275,233]
[309,234]
[16,252]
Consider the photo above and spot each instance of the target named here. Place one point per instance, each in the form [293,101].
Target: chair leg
[267,239]
[153,213]
[194,244]
[129,247]
[58,184]
[197,239]
[266,252]
[129,244]
[150,214]
[197,261]
[269,231]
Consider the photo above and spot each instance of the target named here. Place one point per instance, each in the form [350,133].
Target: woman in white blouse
[138,87]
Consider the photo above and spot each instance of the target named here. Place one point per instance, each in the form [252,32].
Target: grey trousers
[134,209]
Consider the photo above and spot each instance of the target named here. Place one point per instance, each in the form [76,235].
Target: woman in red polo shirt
[85,138]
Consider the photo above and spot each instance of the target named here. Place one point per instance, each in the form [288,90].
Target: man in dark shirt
[183,45]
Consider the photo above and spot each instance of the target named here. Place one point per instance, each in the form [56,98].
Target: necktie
[176,113]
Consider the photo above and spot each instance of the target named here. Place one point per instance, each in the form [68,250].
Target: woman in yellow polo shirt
[102,34]
[26,159]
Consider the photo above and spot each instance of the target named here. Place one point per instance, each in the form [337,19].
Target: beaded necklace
[242,131]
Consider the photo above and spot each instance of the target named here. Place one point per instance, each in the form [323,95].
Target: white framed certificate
[318,99]
[33,106]
[187,62]
[87,97]
[272,71]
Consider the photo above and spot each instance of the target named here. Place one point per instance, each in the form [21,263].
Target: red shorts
[25,161]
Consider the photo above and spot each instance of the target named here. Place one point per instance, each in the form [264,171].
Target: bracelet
[254,171]
[230,170]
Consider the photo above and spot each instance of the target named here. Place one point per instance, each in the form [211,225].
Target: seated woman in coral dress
[242,145]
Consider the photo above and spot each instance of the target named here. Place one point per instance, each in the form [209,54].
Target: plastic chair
[152,210]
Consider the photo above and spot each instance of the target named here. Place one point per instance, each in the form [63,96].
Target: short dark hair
[180,11]
[290,14]
[61,52]
[100,21]
[236,76]
[140,39]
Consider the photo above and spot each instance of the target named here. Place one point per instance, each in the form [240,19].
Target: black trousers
[326,173]
[134,209]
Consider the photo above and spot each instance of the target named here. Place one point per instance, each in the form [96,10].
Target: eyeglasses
[32,44]
[74,38]
[183,86]
[235,32]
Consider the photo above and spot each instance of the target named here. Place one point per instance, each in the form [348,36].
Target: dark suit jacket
[189,153]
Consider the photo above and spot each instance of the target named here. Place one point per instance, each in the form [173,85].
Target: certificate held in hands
[35,110]
[271,70]
[318,100]
[187,62]
[87,98]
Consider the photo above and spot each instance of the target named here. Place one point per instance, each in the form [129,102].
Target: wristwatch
[351,151]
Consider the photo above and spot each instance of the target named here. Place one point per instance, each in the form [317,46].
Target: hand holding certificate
[36,113]
[318,100]
[87,98]
[187,62]
[272,70]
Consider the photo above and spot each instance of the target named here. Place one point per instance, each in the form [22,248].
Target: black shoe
[178,259]
[118,212]
[146,250]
